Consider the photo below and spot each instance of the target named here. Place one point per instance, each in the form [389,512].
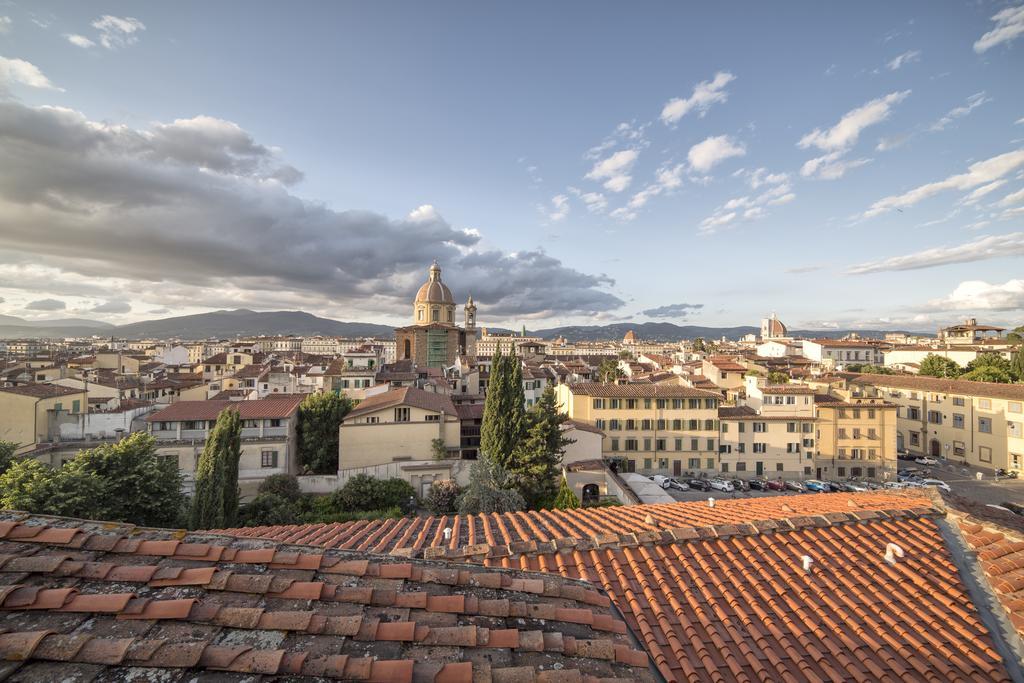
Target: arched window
[419,314]
[408,348]
[435,315]
[450,315]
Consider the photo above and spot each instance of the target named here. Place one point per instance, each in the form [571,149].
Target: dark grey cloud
[113,307]
[46,305]
[672,310]
[199,203]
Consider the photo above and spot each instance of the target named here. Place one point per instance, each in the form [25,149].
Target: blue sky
[854,165]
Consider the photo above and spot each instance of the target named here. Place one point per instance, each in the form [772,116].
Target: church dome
[433,290]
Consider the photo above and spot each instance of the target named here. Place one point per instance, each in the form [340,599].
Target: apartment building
[856,437]
[269,439]
[975,423]
[33,413]
[838,353]
[649,428]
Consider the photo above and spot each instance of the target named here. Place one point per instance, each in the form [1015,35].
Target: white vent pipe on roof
[892,553]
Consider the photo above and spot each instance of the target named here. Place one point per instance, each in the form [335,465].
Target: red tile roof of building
[719,593]
[105,601]
[786,389]
[42,390]
[961,387]
[276,407]
[405,396]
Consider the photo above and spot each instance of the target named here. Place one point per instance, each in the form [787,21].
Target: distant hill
[669,332]
[219,324]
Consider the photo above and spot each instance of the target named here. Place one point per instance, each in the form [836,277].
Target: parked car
[740,484]
[927,460]
[895,485]
[854,486]
[937,483]
[722,485]
[904,454]
[834,485]
[816,486]
[1015,508]
[669,483]
[776,485]
[1011,474]
[758,484]
[797,486]
[699,484]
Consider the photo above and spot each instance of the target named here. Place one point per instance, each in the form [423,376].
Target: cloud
[978,295]
[973,102]
[891,142]
[830,166]
[559,208]
[615,170]
[46,305]
[79,40]
[713,150]
[159,311]
[666,179]
[975,196]
[113,307]
[213,221]
[5,24]
[978,173]
[904,59]
[18,71]
[844,134]
[981,249]
[594,201]
[672,310]
[803,269]
[761,176]
[748,207]
[117,32]
[1009,25]
[1012,198]
[705,94]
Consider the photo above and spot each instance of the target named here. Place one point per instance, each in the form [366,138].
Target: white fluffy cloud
[978,295]
[981,249]
[844,134]
[79,40]
[705,94]
[594,201]
[748,207]
[706,154]
[20,72]
[116,32]
[615,170]
[1009,25]
[973,102]
[1012,198]
[559,208]
[904,59]
[979,173]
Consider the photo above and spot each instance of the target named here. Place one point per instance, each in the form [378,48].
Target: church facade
[434,340]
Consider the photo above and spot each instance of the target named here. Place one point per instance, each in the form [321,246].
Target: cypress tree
[496,436]
[215,503]
[1017,365]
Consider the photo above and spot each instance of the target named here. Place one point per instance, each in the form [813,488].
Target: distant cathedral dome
[630,337]
[433,290]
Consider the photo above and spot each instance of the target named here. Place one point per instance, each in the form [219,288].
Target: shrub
[268,509]
[284,485]
[443,498]
[363,492]
[566,498]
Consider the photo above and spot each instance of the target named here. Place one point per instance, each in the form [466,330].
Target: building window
[660,425]
[710,463]
[915,438]
[401,414]
[779,467]
[711,444]
[985,403]
[679,444]
[760,427]
[659,444]
[807,471]
[958,421]
[615,444]
[614,403]
[1013,407]
[647,464]
[760,447]
[630,444]
[432,417]
[934,417]
[662,463]
[372,420]
[613,425]
[694,463]
[842,433]
[741,467]
[647,444]
[268,458]
[913,413]
[630,425]
[791,426]
[958,400]
[677,425]
[598,404]
[630,404]
[645,425]
[985,425]
[694,444]
[1013,429]
[741,448]
[841,471]
[725,467]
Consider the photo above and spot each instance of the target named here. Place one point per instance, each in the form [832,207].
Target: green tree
[609,370]
[536,461]
[566,499]
[939,366]
[268,509]
[31,486]
[284,485]
[503,417]
[869,368]
[139,486]
[988,373]
[320,416]
[699,346]
[215,503]
[438,449]
[489,491]
[443,497]
[1016,335]
[363,492]
[7,449]
[778,377]
[992,360]
[1017,364]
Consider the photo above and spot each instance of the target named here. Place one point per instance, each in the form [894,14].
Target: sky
[854,165]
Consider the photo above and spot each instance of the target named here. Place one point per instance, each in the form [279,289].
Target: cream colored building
[33,413]
[856,437]
[649,428]
[392,434]
[974,423]
[269,441]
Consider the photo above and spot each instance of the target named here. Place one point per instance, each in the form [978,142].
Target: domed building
[434,340]
[772,328]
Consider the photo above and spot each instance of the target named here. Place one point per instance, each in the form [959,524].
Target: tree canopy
[939,366]
[503,409]
[320,416]
[215,503]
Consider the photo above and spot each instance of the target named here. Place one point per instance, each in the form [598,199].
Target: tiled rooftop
[1001,554]
[720,593]
[88,601]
